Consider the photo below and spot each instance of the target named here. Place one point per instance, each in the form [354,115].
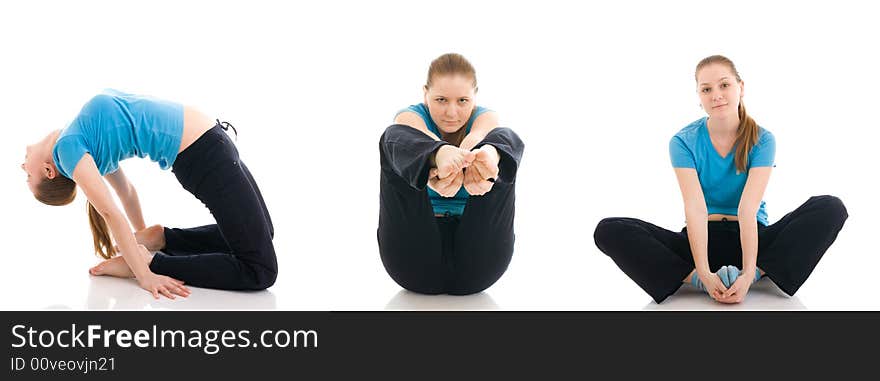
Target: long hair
[62,191]
[747,132]
[100,234]
[452,64]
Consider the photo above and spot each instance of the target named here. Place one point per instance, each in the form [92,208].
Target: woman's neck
[725,127]
[51,139]
[454,138]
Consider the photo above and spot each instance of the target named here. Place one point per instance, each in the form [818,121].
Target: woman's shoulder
[418,108]
[421,117]
[690,132]
[765,134]
[766,140]
[480,110]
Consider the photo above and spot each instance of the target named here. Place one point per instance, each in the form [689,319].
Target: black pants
[236,253]
[433,255]
[658,259]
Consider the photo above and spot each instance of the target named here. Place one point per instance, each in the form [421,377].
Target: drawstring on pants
[226,126]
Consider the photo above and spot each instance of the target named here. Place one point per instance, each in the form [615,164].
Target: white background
[595,91]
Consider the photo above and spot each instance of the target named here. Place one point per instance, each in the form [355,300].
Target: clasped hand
[476,170]
[736,293]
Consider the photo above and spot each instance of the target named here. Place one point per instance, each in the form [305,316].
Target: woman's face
[450,100]
[33,167]
[719,91]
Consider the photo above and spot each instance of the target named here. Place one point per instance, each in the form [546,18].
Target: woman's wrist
[703,270]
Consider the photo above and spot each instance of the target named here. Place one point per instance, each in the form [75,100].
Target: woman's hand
[161,284]
[448,186]
[482,172]
[713,284]
[451,159]
[738,290]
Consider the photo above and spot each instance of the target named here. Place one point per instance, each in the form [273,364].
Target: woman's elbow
[747,212]
[110,215]
[695,210]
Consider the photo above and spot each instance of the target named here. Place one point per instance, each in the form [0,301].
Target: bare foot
[152,237]
[118,267]
[115,266]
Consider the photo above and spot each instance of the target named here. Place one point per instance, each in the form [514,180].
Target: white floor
[121,294]
[539,278]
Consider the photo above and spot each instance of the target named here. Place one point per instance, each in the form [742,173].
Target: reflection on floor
[406,300]
[124,294]
[763,295]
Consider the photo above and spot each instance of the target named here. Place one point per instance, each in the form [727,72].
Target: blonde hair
[451,63]
[747,132]
[62,191]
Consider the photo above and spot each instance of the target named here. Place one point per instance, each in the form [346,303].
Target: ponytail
[746,138]
[100,234]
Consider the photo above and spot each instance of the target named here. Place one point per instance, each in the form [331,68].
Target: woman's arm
[696,215]
[484,123]
[409,118]
[88,178]
[747,213]
[413,120]
[129,198]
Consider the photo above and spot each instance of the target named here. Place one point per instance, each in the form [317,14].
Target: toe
[725,274]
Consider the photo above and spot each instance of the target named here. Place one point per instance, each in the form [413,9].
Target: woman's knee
[832,206]
[265,270]
[505,134]
[608,229]
[392,132]
[266,279]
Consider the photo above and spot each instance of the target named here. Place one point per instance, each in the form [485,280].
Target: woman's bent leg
[655,258]
[211,170]
[790,249]
[197,240]
[410,244]
[483,241]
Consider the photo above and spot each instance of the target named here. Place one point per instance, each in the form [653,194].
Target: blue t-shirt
[114,126]
[722,186]
[443,205]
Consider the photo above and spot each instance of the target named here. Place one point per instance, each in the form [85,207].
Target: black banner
[289,344]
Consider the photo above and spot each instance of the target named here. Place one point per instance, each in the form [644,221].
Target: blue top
[722,186]
[114,126]
[443,205]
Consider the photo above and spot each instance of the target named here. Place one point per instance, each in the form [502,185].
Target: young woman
[236,253]
[446,198]
[723,165]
